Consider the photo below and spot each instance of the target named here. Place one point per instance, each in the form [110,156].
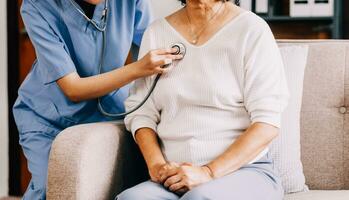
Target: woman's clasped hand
[180,178]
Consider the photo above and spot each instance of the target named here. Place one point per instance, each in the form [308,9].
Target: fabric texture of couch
[97,161]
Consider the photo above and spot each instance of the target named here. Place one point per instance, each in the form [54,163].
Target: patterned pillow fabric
[286,149]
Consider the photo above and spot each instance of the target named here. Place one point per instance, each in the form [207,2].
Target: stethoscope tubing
[156,80]
[91,21]
[103,30]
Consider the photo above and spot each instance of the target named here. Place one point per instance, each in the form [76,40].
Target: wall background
[3,102]
[162,8]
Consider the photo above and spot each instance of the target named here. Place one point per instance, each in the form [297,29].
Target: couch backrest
[325,114]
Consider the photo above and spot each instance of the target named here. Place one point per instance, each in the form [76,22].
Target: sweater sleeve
[148,115]
[265,88]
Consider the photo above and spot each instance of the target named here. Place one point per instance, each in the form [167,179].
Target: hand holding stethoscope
[157,61]
[154,62]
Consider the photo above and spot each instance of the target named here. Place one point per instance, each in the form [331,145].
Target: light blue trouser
[36,146]
[252,182]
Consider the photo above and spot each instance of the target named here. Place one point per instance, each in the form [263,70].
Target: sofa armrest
[93,161]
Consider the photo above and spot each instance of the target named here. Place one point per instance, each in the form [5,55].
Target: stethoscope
[181,50]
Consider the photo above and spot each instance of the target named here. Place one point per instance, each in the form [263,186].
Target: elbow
[75,99]
[267,132]
[71,87]
[73,96]
[272,134]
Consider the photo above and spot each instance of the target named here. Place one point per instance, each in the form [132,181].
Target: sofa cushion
[286,150]
[93,161]
[324,134]
[319,195]
[324,115]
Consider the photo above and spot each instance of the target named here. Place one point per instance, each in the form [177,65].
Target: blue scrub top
[66,42]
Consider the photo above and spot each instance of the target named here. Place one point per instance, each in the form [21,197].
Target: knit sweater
[209,98]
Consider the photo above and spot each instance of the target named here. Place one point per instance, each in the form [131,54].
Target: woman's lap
[255,181]
[246,183]
[147,191]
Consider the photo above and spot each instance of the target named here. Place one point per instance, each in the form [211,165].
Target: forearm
[147,141]
[252,142]
[80,89]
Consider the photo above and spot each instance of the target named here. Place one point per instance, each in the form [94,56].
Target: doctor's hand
[160,172]
[186,177]
[153,61]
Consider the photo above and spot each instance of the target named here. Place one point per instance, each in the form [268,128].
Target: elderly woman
[205,131]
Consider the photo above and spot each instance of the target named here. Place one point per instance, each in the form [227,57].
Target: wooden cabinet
[26,59]
[26,50]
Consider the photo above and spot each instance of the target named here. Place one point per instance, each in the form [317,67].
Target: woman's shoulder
[157,23]
[172,20]
[157,26]
[249,26]
[252,22]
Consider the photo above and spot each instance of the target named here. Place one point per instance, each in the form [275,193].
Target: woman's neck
[88,8]
[94,2]
[202,10]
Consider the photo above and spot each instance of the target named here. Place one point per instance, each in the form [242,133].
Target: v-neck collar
[78,18]
[229,23]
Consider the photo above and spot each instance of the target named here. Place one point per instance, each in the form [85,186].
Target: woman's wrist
[147,141]
[155,164]
[209,171]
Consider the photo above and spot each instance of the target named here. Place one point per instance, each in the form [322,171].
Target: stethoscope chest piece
[181,50]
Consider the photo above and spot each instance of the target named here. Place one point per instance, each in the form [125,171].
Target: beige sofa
[97,161]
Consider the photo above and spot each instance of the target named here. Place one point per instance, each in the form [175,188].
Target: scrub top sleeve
[53,61]
[143,17]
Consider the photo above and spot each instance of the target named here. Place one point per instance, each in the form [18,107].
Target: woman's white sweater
[205,101]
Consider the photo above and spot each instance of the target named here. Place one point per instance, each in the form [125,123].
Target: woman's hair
[237,2]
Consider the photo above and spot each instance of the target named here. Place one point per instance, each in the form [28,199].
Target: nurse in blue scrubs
[71,72]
